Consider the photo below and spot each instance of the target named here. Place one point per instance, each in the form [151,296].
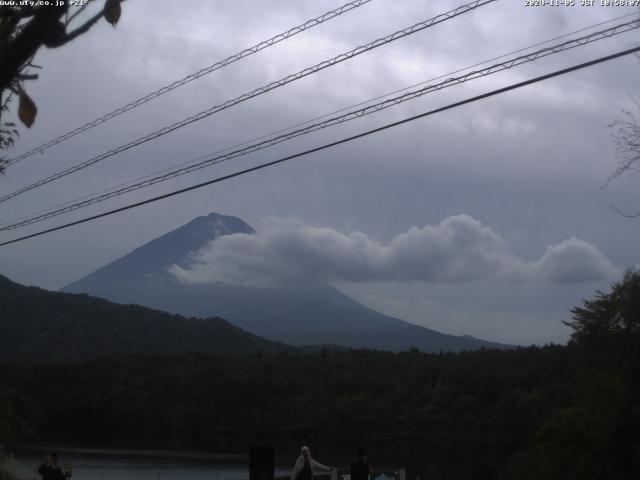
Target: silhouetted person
[50,469]
[305,466]
[360,469]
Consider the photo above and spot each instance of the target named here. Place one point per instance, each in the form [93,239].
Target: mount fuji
[297,316]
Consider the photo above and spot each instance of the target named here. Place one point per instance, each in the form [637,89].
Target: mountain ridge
[41,325]
[171,248]
[304,315]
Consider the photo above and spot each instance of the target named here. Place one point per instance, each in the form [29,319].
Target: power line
[333,144]
[618,29]
[530,57]
[306,122]
[259,91]
[189,78]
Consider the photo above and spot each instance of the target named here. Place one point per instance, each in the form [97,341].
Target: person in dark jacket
[50,469]
[360,469]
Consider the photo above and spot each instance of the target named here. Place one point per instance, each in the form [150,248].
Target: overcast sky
[489,219]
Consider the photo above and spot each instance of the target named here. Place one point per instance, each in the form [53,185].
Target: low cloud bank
[458,249]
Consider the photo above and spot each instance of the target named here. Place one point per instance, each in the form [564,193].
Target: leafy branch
[23,31]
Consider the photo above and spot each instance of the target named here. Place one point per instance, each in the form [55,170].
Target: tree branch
[27,76]
[78,12]
[83,28]
[42,29]
[18,13]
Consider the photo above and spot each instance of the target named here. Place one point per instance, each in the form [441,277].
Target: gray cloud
[459,249]
[529,163]
[574,261]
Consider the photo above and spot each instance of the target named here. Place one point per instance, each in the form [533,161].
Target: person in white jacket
[305,466]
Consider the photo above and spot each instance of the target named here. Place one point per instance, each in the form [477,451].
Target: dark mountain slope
[153,258]
[39,325]
[302,315]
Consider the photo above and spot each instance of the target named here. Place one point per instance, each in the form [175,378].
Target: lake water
[120,464]
[104,464]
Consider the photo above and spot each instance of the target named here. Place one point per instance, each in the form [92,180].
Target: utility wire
[200,73]
[259,91]
[333,144]
[306,122]
[207,162]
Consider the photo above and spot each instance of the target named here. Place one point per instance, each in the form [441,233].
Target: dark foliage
[476,398]
[555,419]
[39,325]
[569,412]
[24,29]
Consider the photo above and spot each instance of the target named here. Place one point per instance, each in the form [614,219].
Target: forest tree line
[573,410]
